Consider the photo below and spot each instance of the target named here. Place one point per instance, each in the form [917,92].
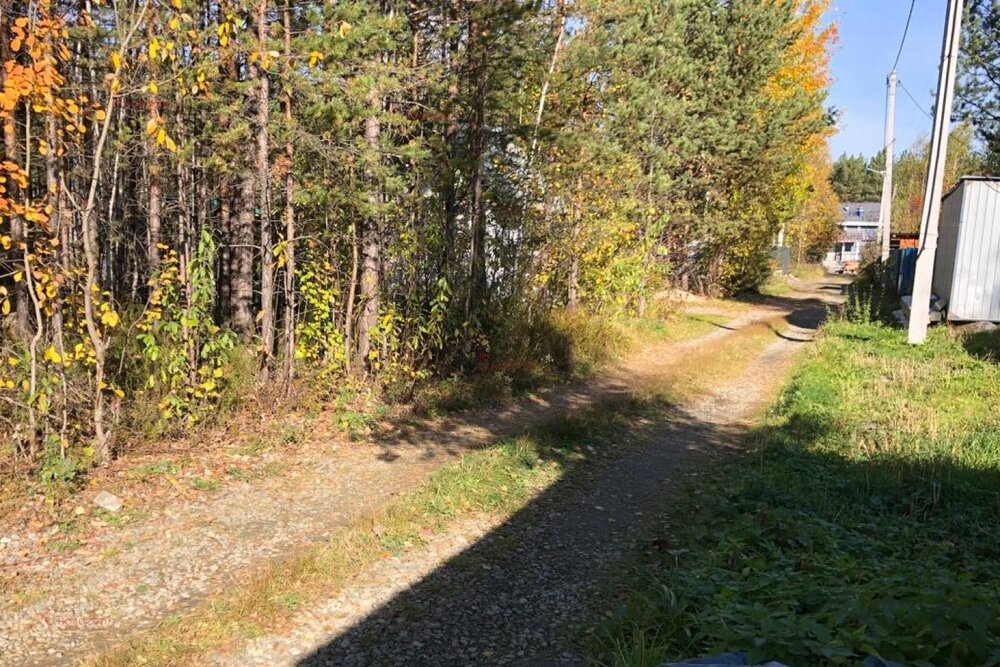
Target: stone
[108,502]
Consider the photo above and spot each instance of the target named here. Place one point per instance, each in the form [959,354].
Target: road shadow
[511,597]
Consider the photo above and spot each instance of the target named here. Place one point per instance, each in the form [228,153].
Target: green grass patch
[678,328]
[863,521]
[776,285]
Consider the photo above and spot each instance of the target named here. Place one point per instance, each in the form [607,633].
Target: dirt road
[531,573]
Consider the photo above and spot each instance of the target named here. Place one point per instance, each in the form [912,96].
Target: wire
[914,100]
[906,30]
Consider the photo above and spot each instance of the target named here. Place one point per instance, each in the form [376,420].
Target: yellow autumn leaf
[110,318]
[116,61]
[345,28]
[52,355]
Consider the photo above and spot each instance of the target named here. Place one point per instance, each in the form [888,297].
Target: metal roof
[991,179]
[869,211]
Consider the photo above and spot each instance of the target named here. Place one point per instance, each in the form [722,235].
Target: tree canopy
[368,191]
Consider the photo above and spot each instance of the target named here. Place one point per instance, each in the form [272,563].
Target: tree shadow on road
[511,597]
[516,595]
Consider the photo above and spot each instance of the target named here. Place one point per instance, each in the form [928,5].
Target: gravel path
[510,592]
[135,577]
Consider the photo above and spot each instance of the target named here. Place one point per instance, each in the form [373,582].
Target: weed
[158,469]
[62,546]
[291,434]
[203,484]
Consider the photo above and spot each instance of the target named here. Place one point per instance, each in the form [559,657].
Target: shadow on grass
[799,553]
[983,345]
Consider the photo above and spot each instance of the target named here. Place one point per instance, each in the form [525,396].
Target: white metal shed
[967,265]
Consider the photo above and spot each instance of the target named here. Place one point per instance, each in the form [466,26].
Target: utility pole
[885,213]
[920,307]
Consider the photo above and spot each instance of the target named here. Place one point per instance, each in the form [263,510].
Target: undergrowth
[863,521]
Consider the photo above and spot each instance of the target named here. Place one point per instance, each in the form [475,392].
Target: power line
[914,100]
[906,30]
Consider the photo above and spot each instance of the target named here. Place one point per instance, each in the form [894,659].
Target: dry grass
[704,369]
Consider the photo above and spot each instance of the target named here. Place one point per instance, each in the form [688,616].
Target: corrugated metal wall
[948,230]
[975,288]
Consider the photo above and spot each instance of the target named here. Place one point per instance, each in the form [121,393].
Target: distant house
[859,227]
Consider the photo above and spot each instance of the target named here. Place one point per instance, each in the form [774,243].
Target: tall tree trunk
[154,211]
[289,213]
[349,323]
[242,242]
[573,279]
[12,153]
[451,140]
[371,233]
[477,258]
[226,260]
[264,188]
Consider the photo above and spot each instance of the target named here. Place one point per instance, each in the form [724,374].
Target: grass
[780,285]
[675,329]
[862,521]
[705,368]
[582,344]
[499,480]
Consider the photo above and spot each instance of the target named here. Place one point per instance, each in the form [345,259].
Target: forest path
[510,589]
[193,548]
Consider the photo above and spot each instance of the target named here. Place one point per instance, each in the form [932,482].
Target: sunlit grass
[863,523]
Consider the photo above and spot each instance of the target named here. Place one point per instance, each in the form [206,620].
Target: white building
[859,227]
[967,263]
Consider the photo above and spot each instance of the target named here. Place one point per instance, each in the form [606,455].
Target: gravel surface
[512,592]
[134,577]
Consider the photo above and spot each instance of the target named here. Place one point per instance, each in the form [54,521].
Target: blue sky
[870,31]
